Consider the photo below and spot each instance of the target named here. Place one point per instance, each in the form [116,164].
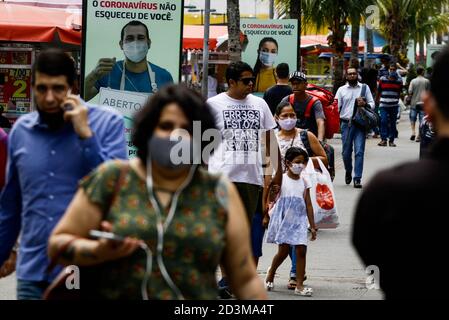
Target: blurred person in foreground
[386,228]
[190,219]
[49,150]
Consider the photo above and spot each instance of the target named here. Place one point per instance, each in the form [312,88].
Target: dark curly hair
[293,152]
[192,104]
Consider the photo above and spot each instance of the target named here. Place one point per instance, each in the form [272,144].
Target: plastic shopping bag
[322,196]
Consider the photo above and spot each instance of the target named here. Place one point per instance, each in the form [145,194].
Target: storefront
[24,31]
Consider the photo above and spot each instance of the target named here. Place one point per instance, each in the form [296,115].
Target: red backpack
[330,108]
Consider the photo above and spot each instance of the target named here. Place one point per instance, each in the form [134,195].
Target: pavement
[334,270]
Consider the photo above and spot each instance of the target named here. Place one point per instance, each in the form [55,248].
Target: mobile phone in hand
[105,235]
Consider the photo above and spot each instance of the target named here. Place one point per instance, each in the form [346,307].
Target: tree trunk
[421,60]
[234,45]
[355,36]
[295,13]
[370,45]
[439,38]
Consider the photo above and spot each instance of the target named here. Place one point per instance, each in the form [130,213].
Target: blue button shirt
[136,82]
[43,171]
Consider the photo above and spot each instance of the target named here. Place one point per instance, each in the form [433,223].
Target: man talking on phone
[49,150]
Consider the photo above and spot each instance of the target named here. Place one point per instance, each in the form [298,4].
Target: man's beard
[352,82]
[54,121]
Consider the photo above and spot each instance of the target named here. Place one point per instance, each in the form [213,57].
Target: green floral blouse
[193,242]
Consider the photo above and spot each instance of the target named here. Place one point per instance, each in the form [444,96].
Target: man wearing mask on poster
[133,74]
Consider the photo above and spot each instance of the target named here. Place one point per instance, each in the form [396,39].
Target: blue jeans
[353,136]
[388,117]
[415,114]
[292,254]
[31,290]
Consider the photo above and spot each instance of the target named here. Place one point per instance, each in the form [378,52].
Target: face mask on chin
[136,51]
[54,121]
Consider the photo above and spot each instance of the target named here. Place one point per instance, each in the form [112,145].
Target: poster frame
[84,38]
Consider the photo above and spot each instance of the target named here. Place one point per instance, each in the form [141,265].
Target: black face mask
[54,121]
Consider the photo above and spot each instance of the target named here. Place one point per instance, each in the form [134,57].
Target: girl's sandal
[291,284]
[305,292]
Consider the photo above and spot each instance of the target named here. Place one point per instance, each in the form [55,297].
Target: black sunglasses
[246,81]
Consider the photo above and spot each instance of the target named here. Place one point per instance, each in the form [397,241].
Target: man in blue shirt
[134,73]
[49,150]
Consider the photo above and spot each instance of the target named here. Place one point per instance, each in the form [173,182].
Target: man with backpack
[309,110]
[351,96]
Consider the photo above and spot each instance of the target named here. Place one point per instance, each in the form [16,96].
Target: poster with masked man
[270,42]
[126,56]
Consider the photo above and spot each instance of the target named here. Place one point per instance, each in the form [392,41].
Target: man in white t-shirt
[243,120]
[246,125]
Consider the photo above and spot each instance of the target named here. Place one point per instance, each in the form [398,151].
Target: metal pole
[271,9]
[204,90]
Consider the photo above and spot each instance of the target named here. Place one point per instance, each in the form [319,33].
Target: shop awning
[22,23]
[193,37]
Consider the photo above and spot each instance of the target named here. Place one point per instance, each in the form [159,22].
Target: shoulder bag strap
[309,106]
[305,141]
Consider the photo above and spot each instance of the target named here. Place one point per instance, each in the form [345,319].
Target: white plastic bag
[322,196]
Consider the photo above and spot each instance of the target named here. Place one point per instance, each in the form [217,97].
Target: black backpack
[330,152]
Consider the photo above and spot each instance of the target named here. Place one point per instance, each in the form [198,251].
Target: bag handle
[123,171]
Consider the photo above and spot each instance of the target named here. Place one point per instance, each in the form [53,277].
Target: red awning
[193,37]
[23,23]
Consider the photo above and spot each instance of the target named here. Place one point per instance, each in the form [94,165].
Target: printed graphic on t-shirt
[241,130]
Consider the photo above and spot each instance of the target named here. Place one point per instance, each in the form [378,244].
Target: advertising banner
[270,42]
[130,46]
[15,83]
[432,52]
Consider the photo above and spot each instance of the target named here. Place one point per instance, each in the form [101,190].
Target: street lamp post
[204,82]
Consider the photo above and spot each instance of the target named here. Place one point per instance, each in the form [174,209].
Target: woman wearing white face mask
[290,136]
[290,216]
[264,69]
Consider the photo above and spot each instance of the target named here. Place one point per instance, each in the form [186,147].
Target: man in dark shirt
[276,93]
[403,238]
[315,121]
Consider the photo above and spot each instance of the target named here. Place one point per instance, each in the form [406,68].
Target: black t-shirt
[4,122]
[275,94]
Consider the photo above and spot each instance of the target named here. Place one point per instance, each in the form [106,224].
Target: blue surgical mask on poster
[136,51]
[267,58]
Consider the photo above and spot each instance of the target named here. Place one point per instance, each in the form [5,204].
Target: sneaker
[383,143]
[357,184]
[392,144]
[412,138]
[348,177]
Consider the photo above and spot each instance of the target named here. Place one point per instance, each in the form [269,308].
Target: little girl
[288,222]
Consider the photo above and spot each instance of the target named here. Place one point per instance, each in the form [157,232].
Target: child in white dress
[289,219]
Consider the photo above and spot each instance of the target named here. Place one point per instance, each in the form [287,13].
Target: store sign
[126,103]
[15,82]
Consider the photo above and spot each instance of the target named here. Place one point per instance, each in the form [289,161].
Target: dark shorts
[250,195]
